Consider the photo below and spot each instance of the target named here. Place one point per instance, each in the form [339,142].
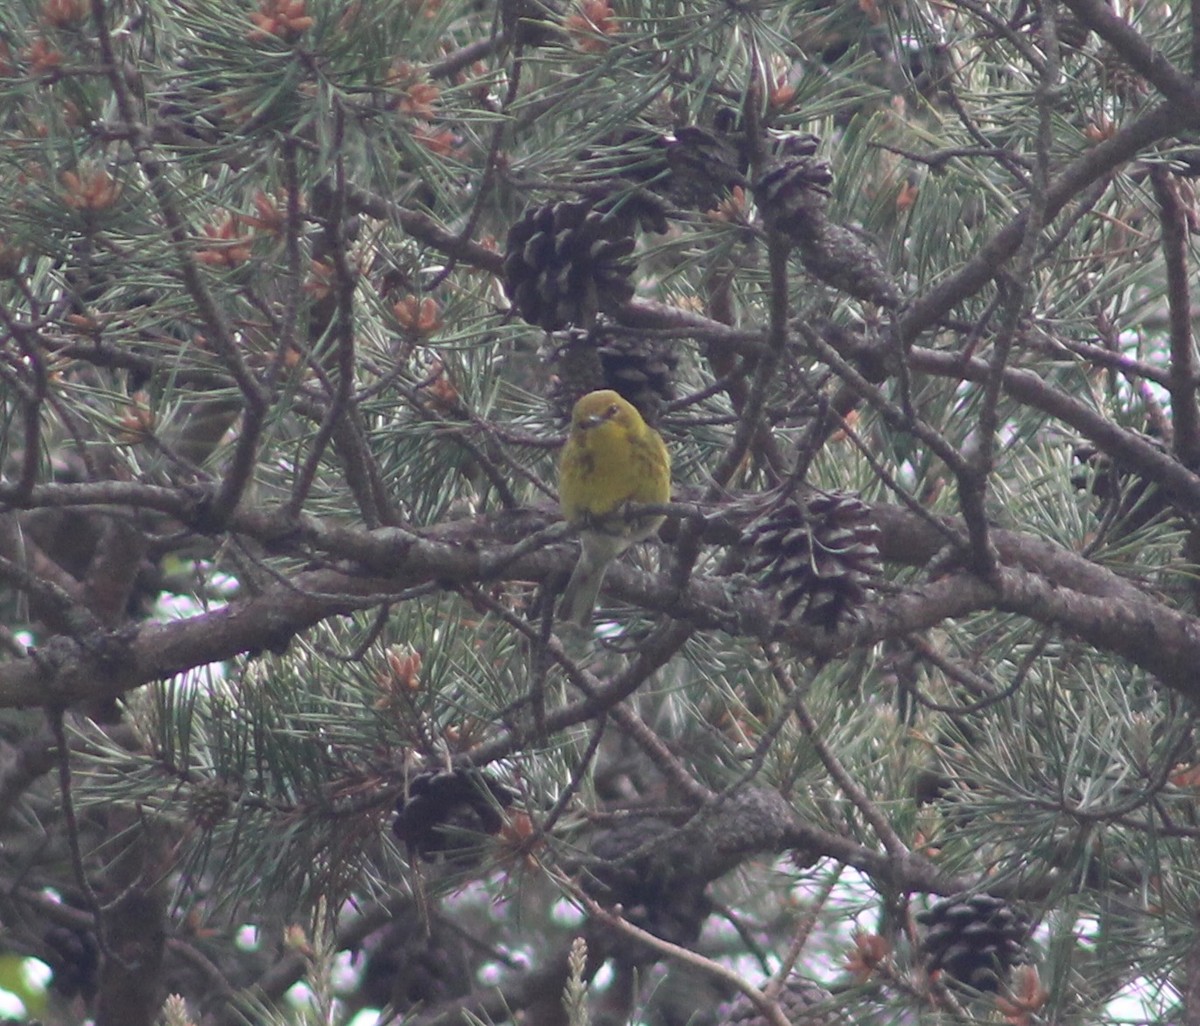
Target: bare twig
[768,1007]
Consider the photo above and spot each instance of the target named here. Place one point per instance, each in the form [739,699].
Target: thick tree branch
[1034,582]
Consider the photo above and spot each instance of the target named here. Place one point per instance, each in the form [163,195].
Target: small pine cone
[641,370]
[416,959]
[930,69]
[209,804]
[794,187]
[577,370]
[802,1002]
[974,940]
[820,557]
[1096,474]
[846,261]
[1119,78]
[705,166]
[566,262]
[443,809]
[693,167]
[871,355]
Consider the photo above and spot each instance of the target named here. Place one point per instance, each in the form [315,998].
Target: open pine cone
[444,809]
[974,940]
[639,369]
[566,262]
[820,555]
[794,186]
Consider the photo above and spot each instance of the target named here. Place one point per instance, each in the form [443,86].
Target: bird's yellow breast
[609,464]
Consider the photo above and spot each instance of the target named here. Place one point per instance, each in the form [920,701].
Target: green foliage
[258,367]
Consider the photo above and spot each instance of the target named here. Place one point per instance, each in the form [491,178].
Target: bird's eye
[612,410]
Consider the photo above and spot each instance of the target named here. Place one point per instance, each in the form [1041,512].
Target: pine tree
[892,723]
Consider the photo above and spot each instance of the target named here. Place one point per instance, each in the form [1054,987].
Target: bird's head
[605,407]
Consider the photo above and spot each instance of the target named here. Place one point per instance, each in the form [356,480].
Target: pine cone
[443,808]
[639,369]
[794,187]
[975,940]
[820,556]
[693,167]
[566,262]
[1071,32]
[845,260]
[209,804]
[802,1002]
[793,195]
[1119,78]
[576,370]
[415,960]
[705,166]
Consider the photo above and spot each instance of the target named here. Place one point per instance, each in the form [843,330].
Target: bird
[612,459]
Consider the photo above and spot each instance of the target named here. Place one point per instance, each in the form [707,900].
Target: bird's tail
[583,589]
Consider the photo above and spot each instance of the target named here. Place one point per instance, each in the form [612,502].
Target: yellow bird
[612,459]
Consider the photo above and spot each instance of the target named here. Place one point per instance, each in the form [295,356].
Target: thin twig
[55,716]
[804,928]
[768,1007]
[891,841]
